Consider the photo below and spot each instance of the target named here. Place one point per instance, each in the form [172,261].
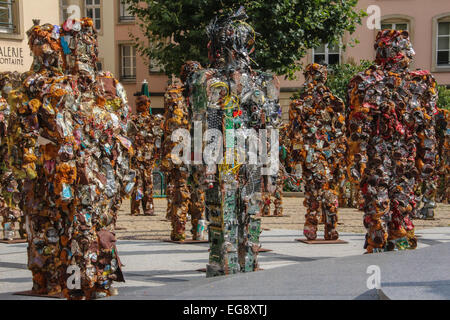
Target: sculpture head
[316,72]
[188,69]
[45,47]
[394,49]
[231,40]
[142,104]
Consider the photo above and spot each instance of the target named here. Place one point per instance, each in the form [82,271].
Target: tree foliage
[339,76]
[444,98]
[174,30]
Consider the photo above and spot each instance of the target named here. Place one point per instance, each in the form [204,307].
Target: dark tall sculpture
[392,141]
[318,142]
[71,152]
[223,99]
[146,131]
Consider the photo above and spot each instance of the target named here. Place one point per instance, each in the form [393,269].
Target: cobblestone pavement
[350,221]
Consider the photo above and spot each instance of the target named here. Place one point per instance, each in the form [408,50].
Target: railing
[159,185]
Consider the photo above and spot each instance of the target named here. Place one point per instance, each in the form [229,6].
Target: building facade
[16,18]
[427,21]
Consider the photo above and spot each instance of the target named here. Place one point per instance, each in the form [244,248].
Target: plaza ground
[350,221]
[292,270]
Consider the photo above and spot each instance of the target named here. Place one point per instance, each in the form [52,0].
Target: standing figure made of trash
[146,131]
[231,102]
[443,138]
[274,185]
[317,134]
[71,151]
[11,196]
[392,141]
[177,172]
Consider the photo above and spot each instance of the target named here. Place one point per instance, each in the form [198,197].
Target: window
[125,15]
[64,6]
[128,62]
[443,44]
[154,67]
[327,54]
[7,17]
[99,66]
[93,11]
[395,26]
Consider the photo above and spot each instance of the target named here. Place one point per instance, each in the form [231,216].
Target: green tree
[339,76]
[174,30]
[444,98]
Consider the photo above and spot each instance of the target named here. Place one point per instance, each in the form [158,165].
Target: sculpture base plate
[32,294]
[283,216]
[321,241]
[186,241]
[15,241]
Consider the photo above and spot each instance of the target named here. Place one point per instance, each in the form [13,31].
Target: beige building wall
[420,15]
[15,54]
[107,54]
[157,81]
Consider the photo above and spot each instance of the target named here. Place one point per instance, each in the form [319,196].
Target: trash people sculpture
[227,101]
[146,131]
[178,173]
[443,137]
[392,141]
[274,185]
[71,151]
[317,134]
[10,187]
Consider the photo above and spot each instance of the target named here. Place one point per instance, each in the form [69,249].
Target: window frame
[16,11]
[133,77]
[94,6]
[122,17]
[408,24]
[327,53]
[444,17]
[437,45]
[9,5]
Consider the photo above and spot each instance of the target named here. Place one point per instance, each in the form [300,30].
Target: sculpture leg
[330,211]
[313,207]
[22,229]
[8,228]
[44,252]
[249,223]
[278,202]
[170,196]
[266,201]
[137,194]
[223,228]
[196,210]
[429,198]
[401,228]
[181,206]
[147,201]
